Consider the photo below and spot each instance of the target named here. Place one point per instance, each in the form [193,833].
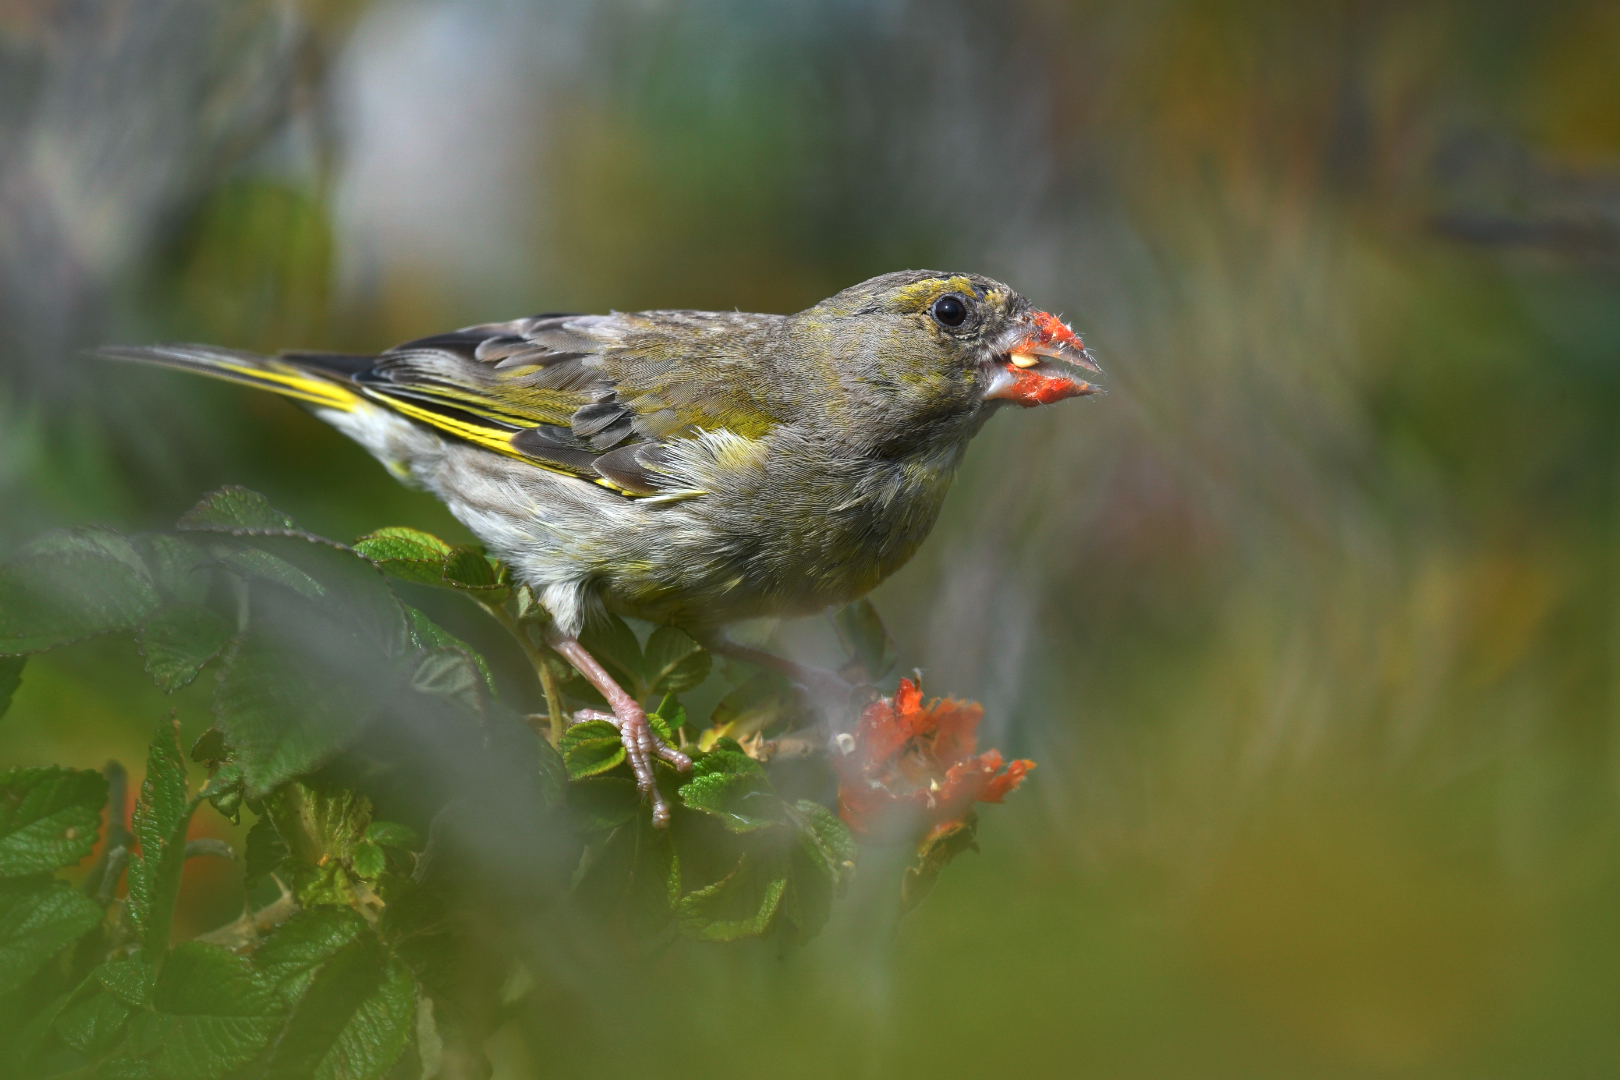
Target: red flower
[916,762]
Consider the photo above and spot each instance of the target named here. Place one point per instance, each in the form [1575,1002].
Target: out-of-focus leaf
[820,862]
[281,717]
[352,1021]
[266,850]
[453,675]
[178,641]
[38,919]
[591,748]
[213,1014]
[762,702]
[406,554]
[634,872]
[296,949]
[369,860]
[235,509]
[937,849]
[615,647]
[733,787]
[49,818]
[93,1024]
[430,635]
[674,662]
[865,639]
[11,669]
[129,978]
[362,598]
[603,802]
[393,834]
[742,904]
[161,816]
[180,566]
[66,586]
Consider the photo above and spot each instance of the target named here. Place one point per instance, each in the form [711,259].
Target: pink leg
[641,745]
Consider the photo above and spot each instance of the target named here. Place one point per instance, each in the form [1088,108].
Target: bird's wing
[604,397]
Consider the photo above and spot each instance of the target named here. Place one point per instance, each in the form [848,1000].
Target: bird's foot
[642,747]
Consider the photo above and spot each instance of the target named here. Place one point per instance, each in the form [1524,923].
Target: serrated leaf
[235,509]
[265,850]
[49,818]
[129,978]
[281,713]
[354,1019]
[406,554]
[295,950]
[820,863]
[733,787]
[673,662]
[322,827]
[161,817]
[865,639]
[178,641]
[742,904]
[11,669]
[93,1024]
[38,919]
[762,702]
[591,748]
[672,714]
[610,639]
[213,1014]
[369,860]
[181,568]
[469,570]
[70,585]
[937,849]
[428,634]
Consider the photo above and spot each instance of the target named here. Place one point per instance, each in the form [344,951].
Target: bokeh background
[1313,622]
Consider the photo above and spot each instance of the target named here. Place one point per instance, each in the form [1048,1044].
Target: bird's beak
[1041,363]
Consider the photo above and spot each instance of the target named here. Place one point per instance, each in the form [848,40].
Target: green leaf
[161,817]
[610,639]
[821,861]
[674,662]
[406,554]
[11,669]
[49,818]
[234,509]
[671,714]
[354,1019]
[762,702]
[66,586]
[280,715]
[295,950]
[360,597]
[430,635]
[94,1024]
[369,860]
[591,748]
[469,570]
[213,1014]
[129,978]
[179,641]
[603,802]
[742,904]
[866,642]
[453,675]
[635,871]
[181,567]
[322,827]
[733,787]
[393,834]
[266,850]
[937,849]
[38,919]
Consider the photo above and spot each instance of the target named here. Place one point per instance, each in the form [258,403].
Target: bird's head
[953,342]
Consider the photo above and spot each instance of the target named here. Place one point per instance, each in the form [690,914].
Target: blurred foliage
[1310,622]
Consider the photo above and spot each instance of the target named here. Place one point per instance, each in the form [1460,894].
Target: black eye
[950,310]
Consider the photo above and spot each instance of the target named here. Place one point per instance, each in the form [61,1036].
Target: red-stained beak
[1040,365]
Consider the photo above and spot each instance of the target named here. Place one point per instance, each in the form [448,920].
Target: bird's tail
[319,379]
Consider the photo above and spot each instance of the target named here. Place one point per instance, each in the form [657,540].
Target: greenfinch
[690,467]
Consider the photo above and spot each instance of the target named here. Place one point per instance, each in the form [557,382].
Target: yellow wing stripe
[294,383]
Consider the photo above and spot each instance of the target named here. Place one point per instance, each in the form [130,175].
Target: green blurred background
[1313,622]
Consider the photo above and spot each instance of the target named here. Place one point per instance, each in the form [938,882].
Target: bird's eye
[950,311]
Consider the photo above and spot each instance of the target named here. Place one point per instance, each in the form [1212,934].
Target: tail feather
[316,379]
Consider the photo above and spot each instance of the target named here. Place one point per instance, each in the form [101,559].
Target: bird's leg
[641,744]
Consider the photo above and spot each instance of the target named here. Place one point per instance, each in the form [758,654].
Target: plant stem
[537,656]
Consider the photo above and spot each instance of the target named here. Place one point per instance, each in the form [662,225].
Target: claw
[641,746]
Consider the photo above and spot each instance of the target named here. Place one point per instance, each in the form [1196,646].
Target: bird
[691,468]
